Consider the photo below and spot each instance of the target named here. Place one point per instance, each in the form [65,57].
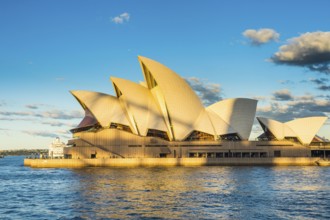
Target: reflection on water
[170,193]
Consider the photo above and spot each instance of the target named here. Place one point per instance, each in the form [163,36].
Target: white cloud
[59,124]
[9,118]
[282,95]
[286,82]
[57,114]
[32,106]
[311,50]
[260,98]
[64,132]
[266,108]
[124,17]
[209,93]
[261,36]
[40,133]
[54,114]
[48,134]
[300,106]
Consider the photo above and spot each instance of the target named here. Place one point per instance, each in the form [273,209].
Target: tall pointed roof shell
[180,101]
[140,105]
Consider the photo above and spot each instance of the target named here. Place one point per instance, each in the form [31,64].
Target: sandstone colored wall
[133,162]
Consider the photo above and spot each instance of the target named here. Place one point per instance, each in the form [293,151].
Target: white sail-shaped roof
[203,123]
[304,129]
[165,102]
[239,113]
[105,108]
[275,127]
[140,106]
[174,96]
[220,126]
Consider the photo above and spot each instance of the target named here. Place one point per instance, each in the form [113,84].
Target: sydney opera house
[162,117]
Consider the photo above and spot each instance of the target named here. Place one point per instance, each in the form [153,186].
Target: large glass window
[157,133]
[199,136]
[230,137]
[121,127]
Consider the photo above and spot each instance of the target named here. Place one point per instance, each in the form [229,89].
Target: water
[163,193]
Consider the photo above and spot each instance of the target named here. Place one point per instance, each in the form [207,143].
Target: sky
[277,52]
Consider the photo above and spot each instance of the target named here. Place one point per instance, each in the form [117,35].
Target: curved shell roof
[177,101]
[140,105]
[105,108]
[167,103]
[220,126]
[278,129]
[239,113]
[304,129]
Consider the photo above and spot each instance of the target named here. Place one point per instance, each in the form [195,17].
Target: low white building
[56,149]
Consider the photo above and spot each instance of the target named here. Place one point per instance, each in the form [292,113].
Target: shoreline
[147,162]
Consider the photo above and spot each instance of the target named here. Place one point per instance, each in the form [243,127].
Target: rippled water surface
[163,193]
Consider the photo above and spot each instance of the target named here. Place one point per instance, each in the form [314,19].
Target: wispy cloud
[324,87]
[6,118]
[2,103]
[54,114]
[209,93]
[57,114]
[320,81]
[59,124]
[282,95]
[261,36]
[35,106]
[286,82]
[48,134]
[321,84]
[40,133]
[5,131]
[260,98]
[32,106]
[64,134]
[310,50]
[301,106]
[120,19]
[326,97]
[14,113]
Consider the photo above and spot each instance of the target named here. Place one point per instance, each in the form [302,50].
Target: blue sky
[50,47]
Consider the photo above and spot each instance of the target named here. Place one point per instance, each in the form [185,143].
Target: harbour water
[241,192]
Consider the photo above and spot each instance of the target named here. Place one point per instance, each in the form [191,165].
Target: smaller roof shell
[105,108]
[239,113]
[304,129]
